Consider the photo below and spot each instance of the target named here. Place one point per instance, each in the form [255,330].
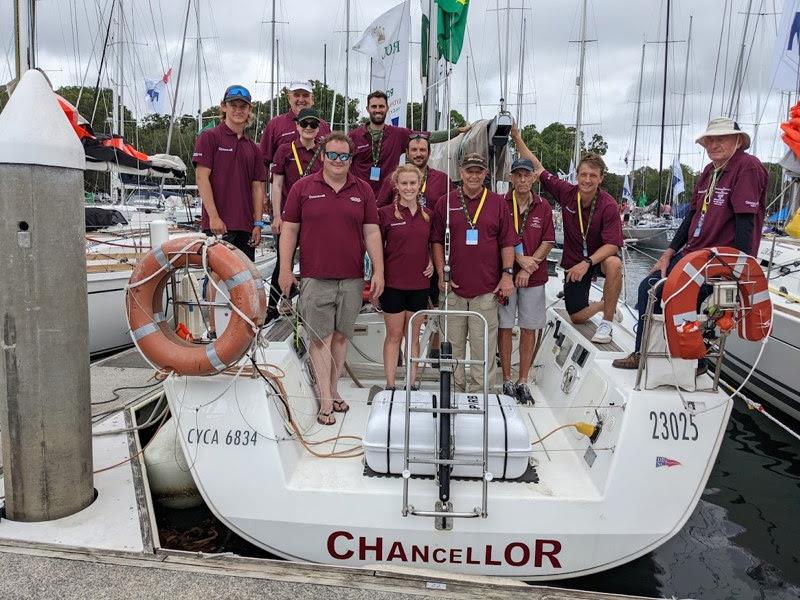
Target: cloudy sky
[235,44]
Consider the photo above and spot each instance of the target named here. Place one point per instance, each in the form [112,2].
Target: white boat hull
[590,506]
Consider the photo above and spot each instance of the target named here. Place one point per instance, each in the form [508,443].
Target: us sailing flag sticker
[663,461]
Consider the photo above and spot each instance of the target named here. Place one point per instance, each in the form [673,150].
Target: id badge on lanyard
[699,227]
[472,237]
[375,174]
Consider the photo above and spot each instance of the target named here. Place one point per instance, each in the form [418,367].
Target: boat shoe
[629,362]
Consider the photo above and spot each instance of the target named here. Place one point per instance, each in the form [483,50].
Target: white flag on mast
[626,190]
[156,93]
[678,186]
[386,42]
[786,54]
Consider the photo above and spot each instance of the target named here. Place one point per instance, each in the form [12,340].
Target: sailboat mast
[347,66]
[119,124]
[521,81]
[431,83]
[579,82]
[738,77]
[199,71]
[272,65]
[683,96]
[178,80]
[508,38]
[636,125]
[25,35]
[663,115]
[466,111]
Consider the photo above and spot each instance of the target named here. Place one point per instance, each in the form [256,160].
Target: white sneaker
[618,316]
[603,333]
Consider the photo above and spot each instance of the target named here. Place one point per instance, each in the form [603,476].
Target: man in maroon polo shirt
[533,222]
[728,208]
[434,182]
[592,239]
[335,216]
[230,175]
[292,161]
[378,145]
[482,241]
[282,129]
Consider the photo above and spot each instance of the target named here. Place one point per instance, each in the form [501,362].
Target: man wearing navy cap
[230,174]
[532,218]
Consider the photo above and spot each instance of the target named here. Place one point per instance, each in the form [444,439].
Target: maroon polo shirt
[475,269]
[605,228]
[395,141]
[406,243]
[283,163]
[538,228]
[331,225]
[435,188]
[282,129]
[740,189]
[235,163]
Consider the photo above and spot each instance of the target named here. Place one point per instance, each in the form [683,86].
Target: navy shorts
[395,301]
[576,293]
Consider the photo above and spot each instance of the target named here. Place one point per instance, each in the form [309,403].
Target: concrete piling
[44,350]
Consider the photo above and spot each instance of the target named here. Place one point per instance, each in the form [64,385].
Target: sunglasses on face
[310,124]
[342,156]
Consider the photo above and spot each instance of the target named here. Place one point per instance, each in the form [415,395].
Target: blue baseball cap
[237,92]
[522,163]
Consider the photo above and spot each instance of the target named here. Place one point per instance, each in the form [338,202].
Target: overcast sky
[235,41]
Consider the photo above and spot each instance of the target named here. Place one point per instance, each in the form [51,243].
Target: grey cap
[522,163]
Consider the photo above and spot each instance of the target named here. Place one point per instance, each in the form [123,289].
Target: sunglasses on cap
[419,136]
[237,91]
[342,156]
[309,123]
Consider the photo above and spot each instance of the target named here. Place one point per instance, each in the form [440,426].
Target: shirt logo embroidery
[362,146]
[221,149]
[288,133]
[197,154]
[571,210]
[316,196]
[536,222]
[396,224]
[355,199]
[751,203]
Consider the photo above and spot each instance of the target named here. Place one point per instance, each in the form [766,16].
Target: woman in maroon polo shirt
[406,230]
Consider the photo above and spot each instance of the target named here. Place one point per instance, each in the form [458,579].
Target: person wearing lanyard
[592,239]
[533,222]
[230,175]
[379,145]
[406,229]
[292,161]
[728,209]
[434,182]
[482,240]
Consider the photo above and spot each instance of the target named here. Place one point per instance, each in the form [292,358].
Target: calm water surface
[743,540]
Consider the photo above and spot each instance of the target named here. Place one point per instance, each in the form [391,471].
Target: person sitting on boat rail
[482,238]
[592,239]
[380,145]
[292,161]
[334,215]
[230,175]
[727,209]
[406,231]
[533,221]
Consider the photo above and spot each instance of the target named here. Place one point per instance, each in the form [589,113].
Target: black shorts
[240,239]
[576,293]
[433,291]
[395,301]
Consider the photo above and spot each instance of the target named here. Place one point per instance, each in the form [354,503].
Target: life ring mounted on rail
[682,288]
[149,329]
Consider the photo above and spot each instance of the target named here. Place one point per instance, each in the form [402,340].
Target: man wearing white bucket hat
[727,209]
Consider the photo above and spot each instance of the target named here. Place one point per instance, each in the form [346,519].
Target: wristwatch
[589,260]
[509,270]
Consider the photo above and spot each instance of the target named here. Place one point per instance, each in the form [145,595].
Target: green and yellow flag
[451,26]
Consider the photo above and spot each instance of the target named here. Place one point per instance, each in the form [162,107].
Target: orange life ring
[144,305]
[679,297]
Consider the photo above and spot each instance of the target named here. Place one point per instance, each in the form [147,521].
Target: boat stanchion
[445,447]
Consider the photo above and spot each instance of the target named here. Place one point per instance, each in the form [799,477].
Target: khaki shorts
[329,305]
[526,306]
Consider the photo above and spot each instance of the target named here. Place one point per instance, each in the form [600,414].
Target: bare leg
[612,269]
[504,345]
[320,354]
[338,355]
[527,348]
[587,313]
[414,344]
[391,345]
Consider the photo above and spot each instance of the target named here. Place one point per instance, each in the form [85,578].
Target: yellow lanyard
[580,214]
[480,208]
[710,191]
[297,160]
[424,183]
[516,210]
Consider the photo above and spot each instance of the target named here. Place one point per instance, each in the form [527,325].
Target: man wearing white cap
[727,209]
[283,128]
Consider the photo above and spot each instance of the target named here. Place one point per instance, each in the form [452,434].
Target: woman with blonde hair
[406,229]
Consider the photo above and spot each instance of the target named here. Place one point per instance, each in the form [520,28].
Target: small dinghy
[606,466]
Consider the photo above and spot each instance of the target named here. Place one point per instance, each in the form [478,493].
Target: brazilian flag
[451,19]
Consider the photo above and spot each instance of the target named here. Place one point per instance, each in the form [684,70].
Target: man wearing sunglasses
[292,161]
[282,129]
[434,182]
[335,217]
[380,145]
[230,175]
